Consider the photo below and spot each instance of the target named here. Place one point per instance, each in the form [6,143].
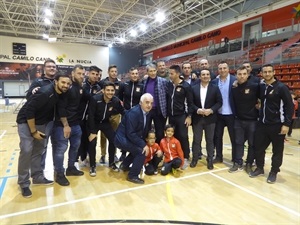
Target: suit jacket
[231,80]
[131,130]
[160,93]
[213,101]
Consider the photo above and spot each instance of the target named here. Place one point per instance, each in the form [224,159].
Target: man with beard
[275,117]
[32,120]
[66,129]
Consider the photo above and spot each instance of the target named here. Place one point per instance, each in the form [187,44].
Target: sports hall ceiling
[102,22]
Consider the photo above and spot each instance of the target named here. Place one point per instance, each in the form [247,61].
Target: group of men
[72,109]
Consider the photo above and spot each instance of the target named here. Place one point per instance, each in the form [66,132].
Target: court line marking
[107,194]
[3,133]
[257,195]
[170,198]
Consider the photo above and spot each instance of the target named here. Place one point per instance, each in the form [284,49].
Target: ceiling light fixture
[110,45]
[48,12]
[47,21]
[133,33]
[143,27]
[160,17]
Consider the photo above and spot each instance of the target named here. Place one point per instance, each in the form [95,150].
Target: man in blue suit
[226,113]
[130,136]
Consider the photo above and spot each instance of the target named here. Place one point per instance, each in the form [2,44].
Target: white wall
[38,50]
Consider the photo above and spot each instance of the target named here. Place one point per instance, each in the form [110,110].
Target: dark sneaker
[93,171]
[210,164]
[42,182]
[235,168]
[102,159]
[193,163]
[61,180]
[72,171]
[217,160]
[248,168]
[155,172]
[136,180]
[123,168]
[272,177]
[257,172]
[26,192]
[114,167]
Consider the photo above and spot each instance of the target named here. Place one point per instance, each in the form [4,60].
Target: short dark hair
[77,66]
[132,69]
[241,68]
[108,83]
[268,65]
[112,66]
[49,61]
[186,63]
[57,76]
[95,68]
[176,68]
[151,132]
[169,126]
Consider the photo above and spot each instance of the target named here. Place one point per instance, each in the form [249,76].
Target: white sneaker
[185,164]
[76,164]
[85,163]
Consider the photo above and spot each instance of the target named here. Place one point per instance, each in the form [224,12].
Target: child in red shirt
[173,154]
[154,156]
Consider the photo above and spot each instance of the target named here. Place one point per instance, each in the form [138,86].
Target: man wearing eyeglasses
[47,77]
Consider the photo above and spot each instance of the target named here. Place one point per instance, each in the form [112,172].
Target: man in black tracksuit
[132,90]
[180,101]
[101,108]
[245,97]
[66,129]
[275,117]
[90,88]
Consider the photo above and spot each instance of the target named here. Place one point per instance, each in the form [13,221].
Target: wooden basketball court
[194,196]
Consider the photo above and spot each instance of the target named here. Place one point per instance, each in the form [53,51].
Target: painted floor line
[106,194]
[257,195]
[3,133]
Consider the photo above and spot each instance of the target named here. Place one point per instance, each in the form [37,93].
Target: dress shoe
[193,163]
[136,180]
[210,164]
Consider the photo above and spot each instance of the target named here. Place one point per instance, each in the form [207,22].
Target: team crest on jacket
[173,145]
[117,87]
[138,89]
[110,108]
[271,92]
[80,91]
[94,91]
[247,91]
[178,89]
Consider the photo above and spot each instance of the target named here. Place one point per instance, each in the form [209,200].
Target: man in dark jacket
[90,88]
[245,96]
[130,136]
[226,112]
[50,70]
[66,129]
[207,100]
[275,117]
[32,120]
[101,108]
[180,101]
